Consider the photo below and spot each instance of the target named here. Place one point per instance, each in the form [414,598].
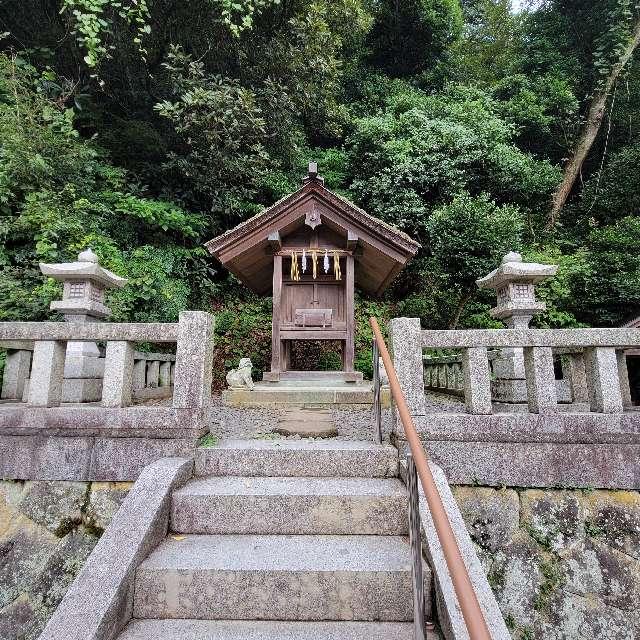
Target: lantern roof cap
[85,268]
[512,269]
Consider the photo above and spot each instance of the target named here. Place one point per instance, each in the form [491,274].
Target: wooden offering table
[310,250]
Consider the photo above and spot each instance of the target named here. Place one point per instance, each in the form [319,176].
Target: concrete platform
[308,393]
[298,577]
[265,630]
[240,505]
[298,458]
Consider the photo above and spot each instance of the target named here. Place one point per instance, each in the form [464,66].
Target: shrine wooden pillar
[348,354]
[276,347]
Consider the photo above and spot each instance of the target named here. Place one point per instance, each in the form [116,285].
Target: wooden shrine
[310,250]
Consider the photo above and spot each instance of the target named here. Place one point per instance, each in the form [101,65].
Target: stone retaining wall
[563,564]
[47,531]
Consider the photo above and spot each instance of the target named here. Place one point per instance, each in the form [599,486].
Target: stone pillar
[477,387]
[118,374]
[165,374]
[603,380]
[139,380]
[194,361]
[45,387]
[574,370]
[85,283]
[623,375]
[16,372]
[405,341]
[541,383]
[153,373]
[514,283]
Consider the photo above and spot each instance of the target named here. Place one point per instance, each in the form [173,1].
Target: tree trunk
[466,296]
[589,131]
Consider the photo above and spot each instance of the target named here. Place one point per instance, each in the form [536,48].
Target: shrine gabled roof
[383,249]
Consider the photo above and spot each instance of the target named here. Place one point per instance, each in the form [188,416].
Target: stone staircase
[282,540]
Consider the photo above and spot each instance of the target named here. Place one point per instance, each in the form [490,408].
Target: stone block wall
[47,530]
[563,564]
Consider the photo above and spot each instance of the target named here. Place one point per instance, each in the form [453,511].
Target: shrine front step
[316,395]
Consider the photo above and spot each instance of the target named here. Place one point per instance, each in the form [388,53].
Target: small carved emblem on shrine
[313,219]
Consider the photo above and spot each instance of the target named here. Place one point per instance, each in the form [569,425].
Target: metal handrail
[469,605]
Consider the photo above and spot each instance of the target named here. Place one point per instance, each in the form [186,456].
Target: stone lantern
[514,283]
[85,283]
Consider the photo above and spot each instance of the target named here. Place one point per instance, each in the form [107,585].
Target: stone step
[238,577]
[265,630]
[316,458]
[224,505]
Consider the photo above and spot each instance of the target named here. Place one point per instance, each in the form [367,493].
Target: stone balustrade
[36,352]
[444,374]
[596,365]
[580,431]
[153,373]
[46,438]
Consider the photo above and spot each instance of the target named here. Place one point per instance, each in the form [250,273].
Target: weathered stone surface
[194,360]
[25,548]
[553,518]
[477,387]
[615,517]
[278,578]
[54,505]
[565,572]
[291,506]
[104,500]
[537,464]
[105,459]
[406,349]
[492,516]
[541,383]
[264,630]
[603,381]
[297,458]
[118,375]
[100,598]
[449,614]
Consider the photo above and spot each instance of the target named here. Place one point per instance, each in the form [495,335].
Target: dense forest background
[143,128]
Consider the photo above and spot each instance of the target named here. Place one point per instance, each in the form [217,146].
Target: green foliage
[470,236]
[424,150]
[222,128]
[59,195]
[609,285]
[242,330]
[208,441]
[407,37]
[557,293]
[92,22]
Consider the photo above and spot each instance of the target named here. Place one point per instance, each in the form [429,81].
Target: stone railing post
[16,371]
[623,375]
[118,374]
[603,380]
[139,380]
[405,339]
[47,370]
[165,374]
[194,360]
[574,369]
[477,384]
[540,377]
[153,373]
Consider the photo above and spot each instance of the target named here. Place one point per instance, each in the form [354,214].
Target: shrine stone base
[308,394]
